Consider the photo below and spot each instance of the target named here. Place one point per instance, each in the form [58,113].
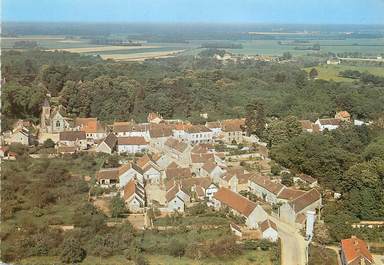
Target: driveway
[293,245]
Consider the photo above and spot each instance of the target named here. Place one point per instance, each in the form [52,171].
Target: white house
[294,211]
[177,198]
[108,177]
[265,188]
[178,150]
[241,206]
[123,129]
[269,230]
[132,144]
[128,172]
[197,134]
[108,145]
[329,124]
[20,136]
[212,170]
[134,196]
[159,135]
[215,127]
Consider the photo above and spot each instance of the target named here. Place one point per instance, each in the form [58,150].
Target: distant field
[250,47]
[330,72]
[140,56]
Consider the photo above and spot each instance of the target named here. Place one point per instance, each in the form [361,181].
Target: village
[167,166]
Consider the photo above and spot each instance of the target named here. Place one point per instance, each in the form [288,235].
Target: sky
[217,11]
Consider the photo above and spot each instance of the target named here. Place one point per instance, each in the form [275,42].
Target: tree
[71,251]
[313,73]
[287,179]
[287,56]
[255,118]
[117,206]
[176,248]
[49,143]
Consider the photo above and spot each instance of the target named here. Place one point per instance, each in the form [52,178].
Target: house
[354,251]
[134,196]
[149,168]
[198,160]
[162,160]
[21,136]
[343,116]
[309,126]
[159,135]
[178,173]
[329,124]
[128,172]
[132,144]
[288,194]
[200,188]
[197,134]
[108,145]
[54,121]
[294,210]
[154,118]
[92,128]
[212,170]
[177,198]
[122,129]
[73,138]
[215,127]
[306,179]
[269,230]
[239,205]
[178,150]
[334,61]
[232,131]
[107,177]
[265,188]
[237,182]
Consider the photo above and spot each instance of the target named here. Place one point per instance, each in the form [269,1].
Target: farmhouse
[197,134]
[232,131]
[178,150]
[354,251]
[177,198]
[265,188]
[159,135]
[108,145]
[239,205]
[292,211]
[131,144]
[329,124]
[73,138]
[128,172]
[107,177]
[134,196]
[21,136]
[269,230]
[92,128]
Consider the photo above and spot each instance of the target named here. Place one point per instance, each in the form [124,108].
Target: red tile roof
[235,201]
[72,136]
[354,250]
[305,200]
[267,224]
[131,140]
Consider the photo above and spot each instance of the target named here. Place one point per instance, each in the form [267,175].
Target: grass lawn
[322,256]
[330,72]
[247,258]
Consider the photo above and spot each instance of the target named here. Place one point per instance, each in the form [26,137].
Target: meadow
[331,72]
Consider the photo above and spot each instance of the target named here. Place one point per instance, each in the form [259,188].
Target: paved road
[293,245]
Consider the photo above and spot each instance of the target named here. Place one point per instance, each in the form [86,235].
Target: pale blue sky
[266,11]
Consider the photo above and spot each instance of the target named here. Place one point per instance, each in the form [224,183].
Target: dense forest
[180,87]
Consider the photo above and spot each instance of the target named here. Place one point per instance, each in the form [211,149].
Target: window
[58,124]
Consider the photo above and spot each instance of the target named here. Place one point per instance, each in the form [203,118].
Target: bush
[176,248]
[49,143]
[72,252]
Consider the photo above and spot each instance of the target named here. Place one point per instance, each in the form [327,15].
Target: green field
[250,47]
[331,72]
[247,258]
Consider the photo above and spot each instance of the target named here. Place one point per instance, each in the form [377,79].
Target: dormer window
[57,123]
